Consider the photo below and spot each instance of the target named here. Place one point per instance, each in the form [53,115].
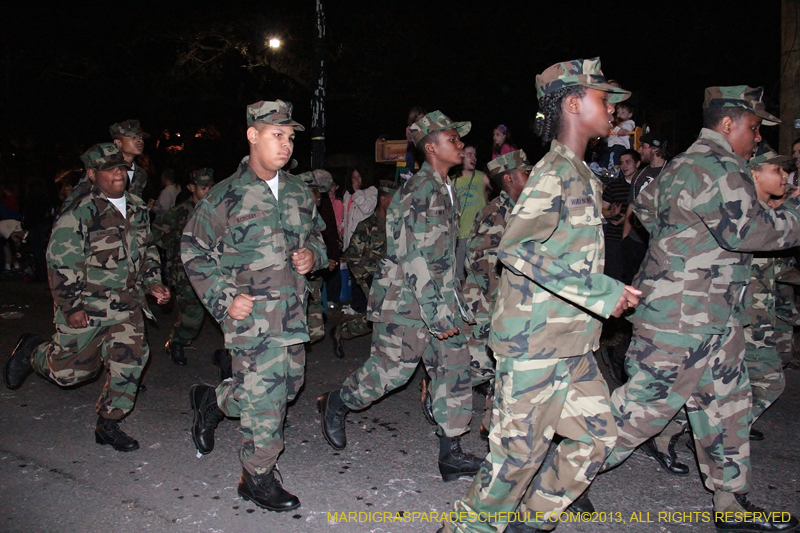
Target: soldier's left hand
[303,260]
[161,294]
[628,300]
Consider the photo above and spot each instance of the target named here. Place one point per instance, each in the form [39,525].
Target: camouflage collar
[505,199]
[248,175]
[713,136]
[567,153]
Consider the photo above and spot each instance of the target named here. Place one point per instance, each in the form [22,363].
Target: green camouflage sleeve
[524,250]
[365,250]
[485,237]
[66,263]
[736,220]
[163,234]
[645,207]
[200,245]
[427,266]
[315,242]
[152,266]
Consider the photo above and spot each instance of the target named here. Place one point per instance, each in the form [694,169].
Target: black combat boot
[107,432]
[453,462]
[266,491]
[669,460]
[207,415]
[582,504]
[756,434]
[753,518]
[175,352]
[427,399]
[18,365]
[222,360]
[333,411]
[338,342]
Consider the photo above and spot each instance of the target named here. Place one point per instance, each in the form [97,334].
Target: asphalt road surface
[56,479]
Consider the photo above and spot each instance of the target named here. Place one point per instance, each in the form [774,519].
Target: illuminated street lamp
[274,43]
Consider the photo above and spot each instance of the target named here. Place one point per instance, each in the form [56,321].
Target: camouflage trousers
[535,399]
[263,382]
[316,324]
[706,373]
[190,317]
[481,364]
[763,366]
[396,352]
[76,355]
[764,370]
[786,311]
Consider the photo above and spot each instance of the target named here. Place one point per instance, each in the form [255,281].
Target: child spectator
[501,141]
[619,138]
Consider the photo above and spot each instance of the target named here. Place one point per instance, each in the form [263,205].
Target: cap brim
[109,166]
[617,95]
[461,127]
[292,123]
[142,134]
[778,160]
[767,119]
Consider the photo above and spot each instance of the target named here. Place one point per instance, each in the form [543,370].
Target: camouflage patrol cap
[278,113]
[202,177]
[510,161]
[103,156]
[748,98]
[317,179]
[585,72]
[387,187]
[436,121]
[127,128]
[765,155]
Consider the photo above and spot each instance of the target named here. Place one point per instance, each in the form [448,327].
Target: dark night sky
[66,73]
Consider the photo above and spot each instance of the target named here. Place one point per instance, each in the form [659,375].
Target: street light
[274,43]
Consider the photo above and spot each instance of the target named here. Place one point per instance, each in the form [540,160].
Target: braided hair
[548,120]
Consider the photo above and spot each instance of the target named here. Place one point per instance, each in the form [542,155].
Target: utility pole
[318,104]
[790,74]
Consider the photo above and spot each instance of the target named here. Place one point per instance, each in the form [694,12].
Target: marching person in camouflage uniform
[507,174]
[129,138]
[128,135]
[367,248]
[544,325]
[101,261]
[703,216]
[246,249]
[761,356]
[167,231]
[416,305]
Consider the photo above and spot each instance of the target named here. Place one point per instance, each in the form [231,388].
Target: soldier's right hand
[78,320]
[447,334]
[241,307]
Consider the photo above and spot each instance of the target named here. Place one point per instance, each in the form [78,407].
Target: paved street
[56,479]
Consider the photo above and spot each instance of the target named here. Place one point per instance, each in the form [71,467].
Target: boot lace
[746,505]
[212,415]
